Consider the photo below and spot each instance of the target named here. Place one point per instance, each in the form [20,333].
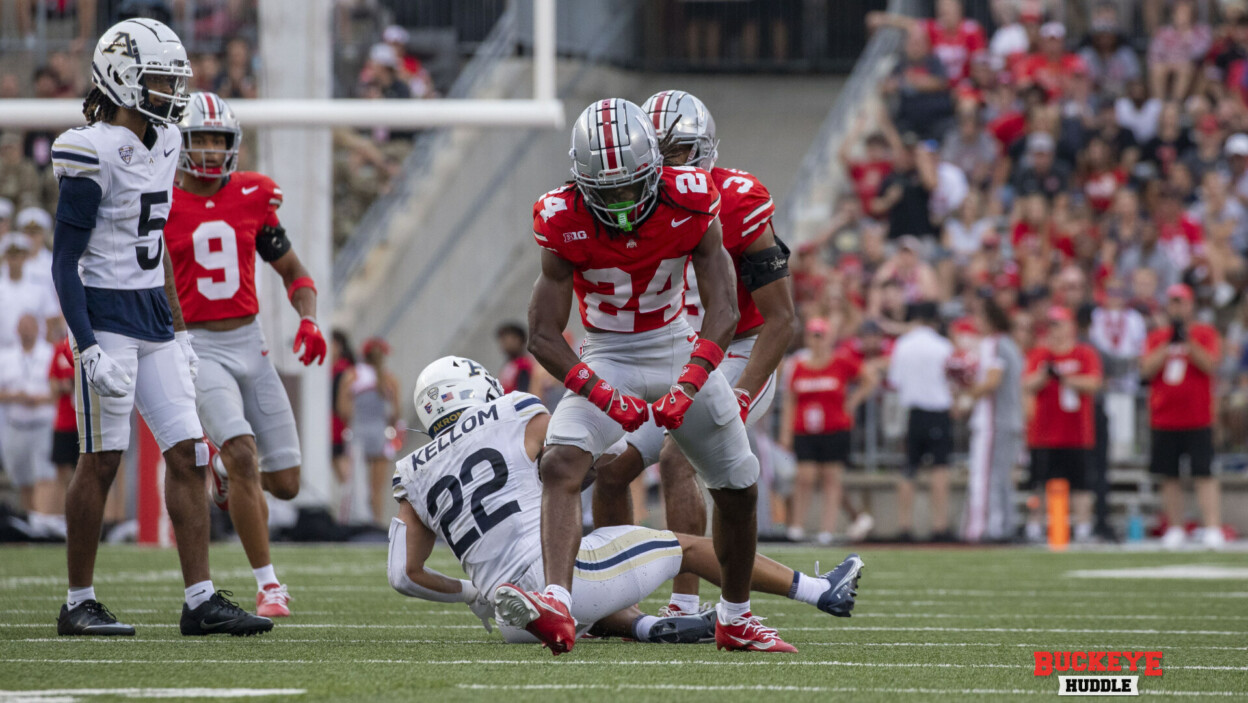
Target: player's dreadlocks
[670,150]
[97,107]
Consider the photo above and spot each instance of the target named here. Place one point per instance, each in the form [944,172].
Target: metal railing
[374,227]
[817,174]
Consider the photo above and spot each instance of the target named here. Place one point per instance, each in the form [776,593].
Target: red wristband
[694,375]
[301,282]
[577,377]
[708,351]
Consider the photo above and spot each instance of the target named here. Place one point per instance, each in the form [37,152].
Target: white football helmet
[140,64]
[616,162]
[447,387]
[686,121]
[207,112]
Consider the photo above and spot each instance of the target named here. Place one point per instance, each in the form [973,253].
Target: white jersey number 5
[216,249]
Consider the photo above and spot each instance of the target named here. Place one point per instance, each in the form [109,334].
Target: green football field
[930,625]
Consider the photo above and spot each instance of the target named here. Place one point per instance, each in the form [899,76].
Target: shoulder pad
[74,154]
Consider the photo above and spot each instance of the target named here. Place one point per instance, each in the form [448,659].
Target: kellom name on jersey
[1105,663]
[443,442]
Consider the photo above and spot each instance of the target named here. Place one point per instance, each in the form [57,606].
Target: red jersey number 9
[216,249]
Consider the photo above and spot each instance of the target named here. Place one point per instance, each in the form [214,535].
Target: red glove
[669,411]
[743,400]
[309,337]
[627,410]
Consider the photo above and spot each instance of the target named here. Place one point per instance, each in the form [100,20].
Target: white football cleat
[220,487]
[1174,537]
[1213,538]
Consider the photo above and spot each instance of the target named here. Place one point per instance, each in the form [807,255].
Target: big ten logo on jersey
[574,236]
[691,181]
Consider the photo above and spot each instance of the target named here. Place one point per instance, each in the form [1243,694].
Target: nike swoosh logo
[249,191]
[264,352]
[167,153]
[736,356]
[691,338]
[677,223]
[756,643]
[213,625]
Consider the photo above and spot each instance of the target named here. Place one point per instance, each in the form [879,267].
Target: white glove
[105,376]
[183,339]
[484,609]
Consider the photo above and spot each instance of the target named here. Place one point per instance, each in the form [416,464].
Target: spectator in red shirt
[517,372]
[65,427]
[1181,360]
[1179,235]
[1100,175]
[816,418]
[1062,374]
[868,173]
[952,36]
[1048,66]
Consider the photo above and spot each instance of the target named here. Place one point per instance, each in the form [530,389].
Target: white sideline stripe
[285,640]
[60,693]
[803,613]
[1202,572]
[847,628]
[1057,594]
[807,689]
[174,576]
[573,662]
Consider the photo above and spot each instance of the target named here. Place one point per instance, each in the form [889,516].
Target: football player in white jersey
[476,484]
[117,294]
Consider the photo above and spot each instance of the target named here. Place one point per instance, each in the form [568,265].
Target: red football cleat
[748,634]
[272,600]
[541,615]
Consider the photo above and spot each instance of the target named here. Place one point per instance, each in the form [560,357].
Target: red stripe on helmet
[607,119]
[212,109]
[657,113]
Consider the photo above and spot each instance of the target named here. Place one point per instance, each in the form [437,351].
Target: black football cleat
[90,617]
[684,629]
[838,600]
[220,616]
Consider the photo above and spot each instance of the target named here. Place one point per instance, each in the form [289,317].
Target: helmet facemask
[162,90]
[193,159]
[624,201]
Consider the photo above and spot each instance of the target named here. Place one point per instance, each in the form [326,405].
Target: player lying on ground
[476,483]
[686,132]
[220,220]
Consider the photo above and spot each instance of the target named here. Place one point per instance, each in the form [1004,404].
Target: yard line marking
[1201,572]
[848,628]
[809,689]
[61,693]
[1029,594]
[285,640]
[525,662]
[174,576]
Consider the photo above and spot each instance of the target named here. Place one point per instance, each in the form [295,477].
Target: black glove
[1178,332]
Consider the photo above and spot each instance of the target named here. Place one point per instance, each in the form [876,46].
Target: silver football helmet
[140,64]
[616,162]
[209,113]
[447,387]
[684,120]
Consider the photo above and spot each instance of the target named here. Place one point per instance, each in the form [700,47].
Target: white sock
[560,594]
[78,595]
[731,611]
[807,589]
[641,627]
[688,603]
[199,593]
[265,575]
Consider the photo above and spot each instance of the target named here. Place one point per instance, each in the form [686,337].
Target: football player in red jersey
[686,131]
[220,220]
[618,237]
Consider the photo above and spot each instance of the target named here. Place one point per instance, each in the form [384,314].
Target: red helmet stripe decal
[657,113]
[607,121]
[212,109]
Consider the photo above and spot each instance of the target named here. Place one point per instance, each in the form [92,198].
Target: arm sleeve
[75,218]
